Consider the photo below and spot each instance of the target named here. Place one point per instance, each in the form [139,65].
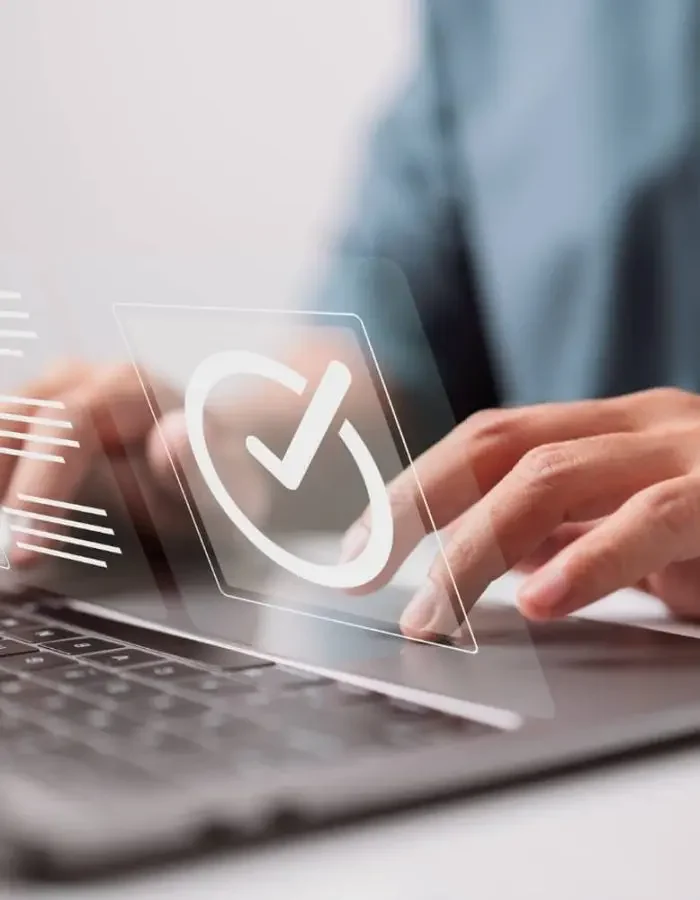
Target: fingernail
[354,542]
[544,591]
[422,609]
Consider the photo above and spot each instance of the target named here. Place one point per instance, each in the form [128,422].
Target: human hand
[589,497]
[110,416]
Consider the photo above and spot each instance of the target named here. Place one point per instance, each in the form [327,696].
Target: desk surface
[622,831]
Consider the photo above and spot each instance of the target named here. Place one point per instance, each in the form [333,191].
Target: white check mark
[314,425]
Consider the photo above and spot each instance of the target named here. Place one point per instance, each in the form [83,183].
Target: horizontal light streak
[57,520]
[39,439]
[35,420]
[63,504]
[65,539]
[61,554]
[32,454]
[31,401]
[18,334]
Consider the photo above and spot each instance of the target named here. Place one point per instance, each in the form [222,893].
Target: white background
[176,127]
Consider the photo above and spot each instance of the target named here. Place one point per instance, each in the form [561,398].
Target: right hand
[110,415]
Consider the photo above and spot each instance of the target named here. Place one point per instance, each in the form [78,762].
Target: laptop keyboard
[76,705]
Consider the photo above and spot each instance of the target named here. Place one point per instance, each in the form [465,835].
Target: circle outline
[355,573]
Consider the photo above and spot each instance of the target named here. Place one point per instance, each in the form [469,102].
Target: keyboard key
[124,659]
[60,704]
[10,624]
[285,713]
[278,712]
[107,722]
[277,679]
[168,705]
[22,688]
[213,686]
[40,634]
[11,727]
[336,695]
[35,662]
[121,689]
[166,671]
[76,676]
[81,645]
[137,737]
[10,647]
[21,737]
[226,727]
[7,676]
[163,644]
[55,758]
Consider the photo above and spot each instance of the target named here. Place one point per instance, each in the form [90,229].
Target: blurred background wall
[137,127]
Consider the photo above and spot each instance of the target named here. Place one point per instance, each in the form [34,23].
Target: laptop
[164,704]
[127,736]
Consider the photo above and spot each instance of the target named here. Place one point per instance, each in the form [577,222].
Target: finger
[655,528]
[106,410]
[575,481]
[169,452]
[561,537]
[458,471]
[17,411]
[119,408]
[677,587]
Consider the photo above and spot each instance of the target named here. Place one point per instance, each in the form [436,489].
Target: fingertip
[173,428]
[544,593]
[533,610]
[431,613]
[19,557]
[167,444]
[22,559]
[353,542]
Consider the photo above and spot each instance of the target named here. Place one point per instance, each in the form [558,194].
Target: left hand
[113,438]
[589,497]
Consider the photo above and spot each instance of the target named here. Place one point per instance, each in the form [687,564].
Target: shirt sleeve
[405,218]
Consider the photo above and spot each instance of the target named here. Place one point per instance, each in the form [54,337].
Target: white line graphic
[39,439]
[31,401]
[5,351]
[294,313]
[13,314]
[31,454]
[63,504]
[88,560]
[10,295]
[57,520]
[16,333]
[66,539]
[35,420]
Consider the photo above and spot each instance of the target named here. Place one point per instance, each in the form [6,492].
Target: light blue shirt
[550,149]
